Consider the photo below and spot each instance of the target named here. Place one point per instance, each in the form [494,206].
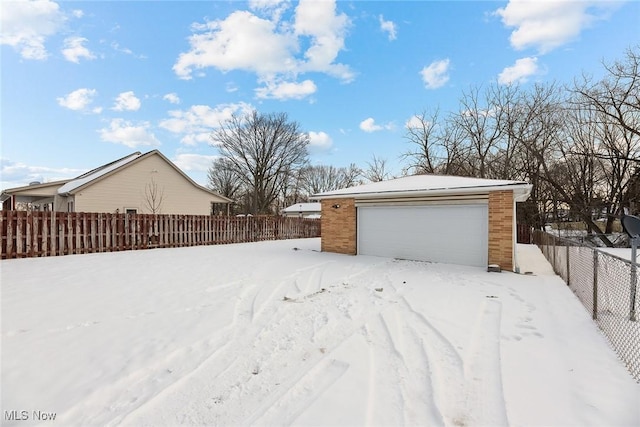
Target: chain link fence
[607,286]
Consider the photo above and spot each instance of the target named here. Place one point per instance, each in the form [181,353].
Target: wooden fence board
[33,234]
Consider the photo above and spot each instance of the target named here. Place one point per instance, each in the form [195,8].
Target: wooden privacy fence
[36,234]
[523,233]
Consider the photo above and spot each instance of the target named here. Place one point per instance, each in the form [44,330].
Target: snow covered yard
[278,333]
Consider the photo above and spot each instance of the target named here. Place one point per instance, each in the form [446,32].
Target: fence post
[568,270]
[634,275]
[555,266]
[595,284]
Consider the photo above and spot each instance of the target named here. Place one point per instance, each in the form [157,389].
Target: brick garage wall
[501,229]
[339,226]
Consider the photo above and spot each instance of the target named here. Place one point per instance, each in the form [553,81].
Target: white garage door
[455,234]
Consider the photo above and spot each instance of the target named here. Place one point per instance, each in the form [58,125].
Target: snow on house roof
[303,207]
[97,173]
[417,185]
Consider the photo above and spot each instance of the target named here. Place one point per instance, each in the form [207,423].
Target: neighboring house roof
[303,207]
[95,175]
[47,189]
[70,187]
[427,185]
[99,172]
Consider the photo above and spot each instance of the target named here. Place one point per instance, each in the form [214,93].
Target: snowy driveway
[278,333]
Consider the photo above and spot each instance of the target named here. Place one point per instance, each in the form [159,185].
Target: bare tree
[223,178]
[617,95]
[262,150]
[481,125]
[351,176]
[153,197]
[376,170]
[421,134]
[455,158]
[320,178]
[543,131]
[611,107]
[578,147]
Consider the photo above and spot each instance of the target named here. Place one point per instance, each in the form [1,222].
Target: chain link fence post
[568,269]
[634,279]
[595,284]
[555,266]
[603,282]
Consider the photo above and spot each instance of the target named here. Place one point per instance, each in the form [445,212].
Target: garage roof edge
[521,192]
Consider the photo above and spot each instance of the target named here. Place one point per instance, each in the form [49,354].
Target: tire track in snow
[244,315]
[291,279]
[248,328]
[445,364]
[386,400]
[414,370]
[304,391]
[484,395]
[462,385]
[136,389]
[252,370]
[142,386]
[285,395]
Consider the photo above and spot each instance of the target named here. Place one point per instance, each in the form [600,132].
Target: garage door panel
[454,234]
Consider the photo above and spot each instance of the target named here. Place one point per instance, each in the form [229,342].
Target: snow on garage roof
[419,185]
[303,207]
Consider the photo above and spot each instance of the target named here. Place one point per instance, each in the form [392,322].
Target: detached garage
[448,219]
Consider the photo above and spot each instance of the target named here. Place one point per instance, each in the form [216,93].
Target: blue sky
[85,83]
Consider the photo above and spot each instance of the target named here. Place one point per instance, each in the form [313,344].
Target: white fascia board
[521,192]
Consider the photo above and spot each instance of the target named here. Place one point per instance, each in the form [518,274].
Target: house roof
[303,207]
[46,189]
[426,185]
[104,171]
[91,177]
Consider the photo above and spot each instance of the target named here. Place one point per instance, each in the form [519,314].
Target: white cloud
[25,25]
[415,122]
[74,49]
[389,27]
[320,141]
[546,25]
[172,98]
[369,125]
[132,135]
[286,90]
[268,4]
[520,71]
[17,174]
[194,162]
[197,123]
[318,20]
[436,75]
[274,8]
[116,46]
[127,101]
[242,41]
[77,13]
[268,47]
[78,100]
